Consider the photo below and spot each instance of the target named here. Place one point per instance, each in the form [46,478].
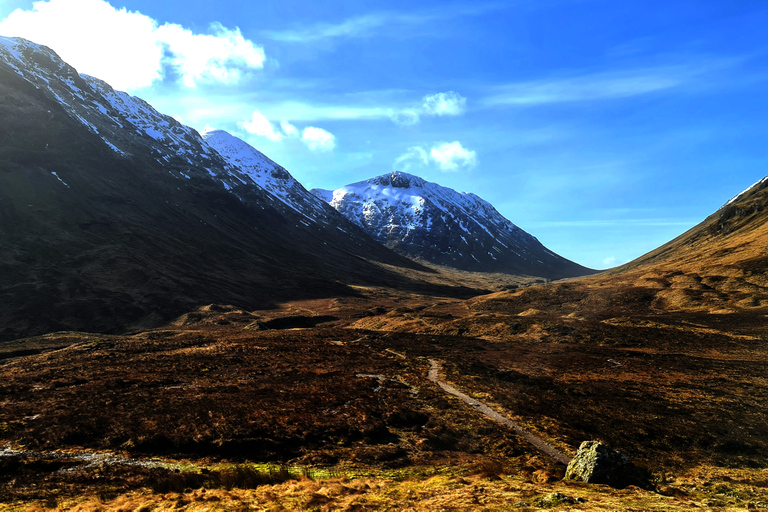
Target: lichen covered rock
[596,463]
[554,499]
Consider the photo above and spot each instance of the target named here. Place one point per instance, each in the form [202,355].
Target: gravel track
[536,441]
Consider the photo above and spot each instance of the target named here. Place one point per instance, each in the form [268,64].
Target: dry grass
[664,361]
[704,488]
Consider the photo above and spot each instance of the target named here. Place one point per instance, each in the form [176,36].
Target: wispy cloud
[448,103]
[406,117]
[605,85]
[289,129]
[415,157]
[589,223]
[372,24]
[360,26]
[310,112]
[444,104]
[447,156]
[440,104]
[199,108]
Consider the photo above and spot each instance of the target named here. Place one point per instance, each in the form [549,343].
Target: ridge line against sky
[605,130]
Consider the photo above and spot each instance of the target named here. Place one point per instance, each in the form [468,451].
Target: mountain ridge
[114,216]
[427,221]
[740,218]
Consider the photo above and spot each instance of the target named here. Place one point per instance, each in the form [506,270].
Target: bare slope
[663,358]
[113,215]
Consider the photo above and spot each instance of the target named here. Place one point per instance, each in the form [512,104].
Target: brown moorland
[663,359]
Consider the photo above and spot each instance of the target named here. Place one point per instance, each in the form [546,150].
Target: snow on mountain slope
[323,194]
[260,170]
[113,215]
[124,122]
[434,223]
[121,121]
[745,192]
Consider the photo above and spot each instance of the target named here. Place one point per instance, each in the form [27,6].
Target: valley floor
[333,399]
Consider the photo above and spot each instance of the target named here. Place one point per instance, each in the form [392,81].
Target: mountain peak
[427,221]
[17,45]
[115,215]
[397,179]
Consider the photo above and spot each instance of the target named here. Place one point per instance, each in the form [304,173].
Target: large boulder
[596,463]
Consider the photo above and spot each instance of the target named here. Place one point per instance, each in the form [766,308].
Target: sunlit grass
[702,487]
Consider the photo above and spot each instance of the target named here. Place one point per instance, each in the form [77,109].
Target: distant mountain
[115,216]
[426,221]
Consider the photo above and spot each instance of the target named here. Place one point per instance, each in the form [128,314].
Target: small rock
[256,325]
[554,499]
[596,463]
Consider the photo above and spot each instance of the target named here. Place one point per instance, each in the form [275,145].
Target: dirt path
[88,460]
[539,443]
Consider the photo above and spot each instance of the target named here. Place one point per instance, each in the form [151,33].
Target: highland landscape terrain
[184,326]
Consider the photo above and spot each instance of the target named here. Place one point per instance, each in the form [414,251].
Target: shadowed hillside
[114,216]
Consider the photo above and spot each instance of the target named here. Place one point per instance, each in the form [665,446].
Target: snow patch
[58,178]
[738,196]
[114,148]
[399,206]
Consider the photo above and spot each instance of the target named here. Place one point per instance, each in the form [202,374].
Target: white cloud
[610,261]
[220,57]
[404,117]
[261,126]
[450,156]
[318,139]
[444,104]
[440,104]
[289,129]
[416,157]
[129,50]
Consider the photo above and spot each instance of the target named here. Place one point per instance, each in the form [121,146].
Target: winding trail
[539,443]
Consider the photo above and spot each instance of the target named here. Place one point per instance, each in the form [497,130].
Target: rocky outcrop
[596,463]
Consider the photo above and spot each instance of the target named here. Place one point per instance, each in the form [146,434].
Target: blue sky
[603,128]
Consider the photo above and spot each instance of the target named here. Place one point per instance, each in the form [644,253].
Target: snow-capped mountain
[118,119]
[426,221]
[121,120]
[114,215]
[284,190]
